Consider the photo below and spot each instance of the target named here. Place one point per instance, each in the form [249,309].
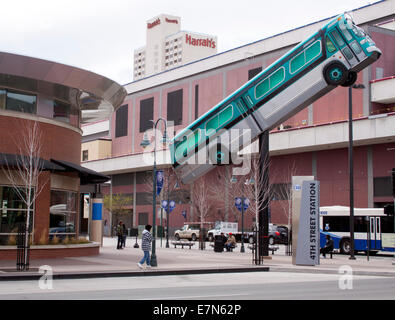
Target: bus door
[375,233]
[342,45]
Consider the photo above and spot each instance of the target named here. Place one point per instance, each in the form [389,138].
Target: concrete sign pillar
[308,242]
[96,230]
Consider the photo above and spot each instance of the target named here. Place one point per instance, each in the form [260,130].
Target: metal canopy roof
[96,96]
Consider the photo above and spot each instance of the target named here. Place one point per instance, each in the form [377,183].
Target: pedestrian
[146,247]
[328,246]
[120,235]
[124,235]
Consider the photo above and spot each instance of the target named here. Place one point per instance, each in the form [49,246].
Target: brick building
[313,142]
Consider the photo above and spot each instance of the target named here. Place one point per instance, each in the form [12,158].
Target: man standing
[146,247]
[120,235]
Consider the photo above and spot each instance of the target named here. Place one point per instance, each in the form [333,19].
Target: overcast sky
[101,35]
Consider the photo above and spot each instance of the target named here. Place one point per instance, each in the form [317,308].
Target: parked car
[190,232]
[283,234]
[274,235]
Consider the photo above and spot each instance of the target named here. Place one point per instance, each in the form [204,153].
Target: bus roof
[345,211]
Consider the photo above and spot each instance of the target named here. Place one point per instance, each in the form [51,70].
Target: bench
[330,253]
[231,249]
[271,248]
[182,244]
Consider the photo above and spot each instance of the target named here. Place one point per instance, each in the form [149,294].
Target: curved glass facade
[15,100]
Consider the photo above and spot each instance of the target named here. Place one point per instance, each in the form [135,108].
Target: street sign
[169,207]
[172,205]
[238,203]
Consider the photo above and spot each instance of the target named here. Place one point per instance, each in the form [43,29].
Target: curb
[331,271]
[107,274]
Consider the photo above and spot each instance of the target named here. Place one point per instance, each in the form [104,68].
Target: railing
[23,249]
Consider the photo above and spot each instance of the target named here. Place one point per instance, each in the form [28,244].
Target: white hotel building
[168,47]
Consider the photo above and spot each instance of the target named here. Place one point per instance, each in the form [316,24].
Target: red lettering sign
[153,24]
[172,21]
[200,42]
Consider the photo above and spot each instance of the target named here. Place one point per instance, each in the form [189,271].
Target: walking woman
[146,247]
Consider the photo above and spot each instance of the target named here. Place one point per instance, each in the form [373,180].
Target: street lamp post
[351,166]
[154,261]
[247,182]
[168,210]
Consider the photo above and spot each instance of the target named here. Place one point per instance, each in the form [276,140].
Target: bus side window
[225,115]
[313,51]
[212,126]
[329,45]
[297,62]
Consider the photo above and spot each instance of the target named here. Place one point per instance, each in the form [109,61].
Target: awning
[12,160]
[87,176]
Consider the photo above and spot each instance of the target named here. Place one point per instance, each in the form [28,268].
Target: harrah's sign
[153,24]
[157,22]
[200,42]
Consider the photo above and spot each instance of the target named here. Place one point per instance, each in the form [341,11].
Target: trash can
[218,244]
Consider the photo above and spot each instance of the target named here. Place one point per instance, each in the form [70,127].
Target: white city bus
[369,223]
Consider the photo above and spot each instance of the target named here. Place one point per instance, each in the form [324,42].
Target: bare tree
[253,184]
[284,191]
[24,172]
[201,198]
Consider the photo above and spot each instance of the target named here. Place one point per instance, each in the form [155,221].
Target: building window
[174,106]
[61,111]
[146,114]
[121,121]
[3,97]
[382,186]
[12,212]
[143,218]
[62,212]
[253,72]
[20,102]
[85,155]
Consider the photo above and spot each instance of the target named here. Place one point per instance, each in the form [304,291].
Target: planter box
[53,251]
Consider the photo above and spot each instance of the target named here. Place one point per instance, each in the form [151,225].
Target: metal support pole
[351,168]
[242,222]
[263,199]
[154,261]
[168,209]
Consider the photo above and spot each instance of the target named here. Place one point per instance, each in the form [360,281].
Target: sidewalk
[112,262]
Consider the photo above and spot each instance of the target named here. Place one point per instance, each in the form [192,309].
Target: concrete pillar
[96,230]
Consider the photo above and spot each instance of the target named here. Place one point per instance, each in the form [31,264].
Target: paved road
[233,286]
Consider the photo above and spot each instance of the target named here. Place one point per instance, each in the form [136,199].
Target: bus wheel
[345,246]
[335,73]
[351,78]
[219,155]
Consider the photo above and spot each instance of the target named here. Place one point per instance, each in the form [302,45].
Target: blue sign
[159,181]
[238,203]
[164,204]
[169,207]
[172,205]
[184,214]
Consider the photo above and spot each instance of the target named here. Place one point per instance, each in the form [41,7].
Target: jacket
[146,240]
